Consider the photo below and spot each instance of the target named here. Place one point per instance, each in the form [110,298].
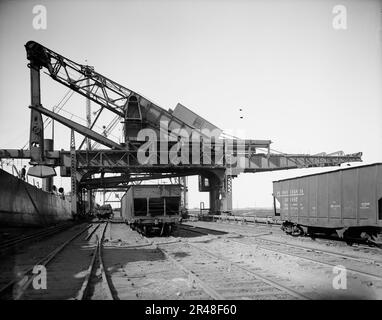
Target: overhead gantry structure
[157,143]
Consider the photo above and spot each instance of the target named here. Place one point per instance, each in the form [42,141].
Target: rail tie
[44,261]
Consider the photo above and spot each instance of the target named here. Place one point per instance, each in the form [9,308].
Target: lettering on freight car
[294,199]
[365,205]
[291,193]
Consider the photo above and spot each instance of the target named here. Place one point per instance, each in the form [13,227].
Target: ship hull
[22,204]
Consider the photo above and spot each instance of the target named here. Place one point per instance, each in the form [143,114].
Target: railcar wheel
[162,230]
[165,230]
[297,231]
[169,230]
[349,242]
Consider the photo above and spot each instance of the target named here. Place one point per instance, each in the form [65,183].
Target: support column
[73,174]
[216,190]
[36,134]
[212,181]
[47,183]
[88,114]
[183,182]
[226,201]
[89,194]
[214,199]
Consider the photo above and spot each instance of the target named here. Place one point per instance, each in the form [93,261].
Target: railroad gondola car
[104,212]
[346,201]
[152,209]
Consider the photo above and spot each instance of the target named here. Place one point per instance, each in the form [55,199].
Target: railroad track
[249,226]
[375,249]
[223,279]
[244,230]
[67,253]
[203,231]
[15,241]
[318,256]
[260,241]
[328,252]
[16,287]
[240,219]
[97,260]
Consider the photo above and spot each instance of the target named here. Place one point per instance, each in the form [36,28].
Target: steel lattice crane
[137,113]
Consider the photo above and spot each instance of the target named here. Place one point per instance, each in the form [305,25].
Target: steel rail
[106,282]
[212,291]
[248,224]
[193,277]
[44,261]
[6,245]
[92,232]
[190,228]
[328,252]
[257,275]
[84,291]
[363,273]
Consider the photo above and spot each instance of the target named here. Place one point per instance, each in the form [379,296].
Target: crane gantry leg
[36,136]
[73,173]
[226,200]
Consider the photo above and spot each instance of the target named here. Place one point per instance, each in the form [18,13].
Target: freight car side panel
[342,198]
[127,208]
[367,196]
[277,189]
[156,191]
[293,199]
[349,196]
[322,199]
[334,197]
[303,201]
[312,195]
[379,194]
[151,201]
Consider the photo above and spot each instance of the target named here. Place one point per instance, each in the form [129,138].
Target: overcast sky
[300,82]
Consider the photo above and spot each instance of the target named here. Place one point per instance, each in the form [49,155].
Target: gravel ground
[232,260]
[275,233]
[309,277]
[143,272]
[22,258]
[7,233]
